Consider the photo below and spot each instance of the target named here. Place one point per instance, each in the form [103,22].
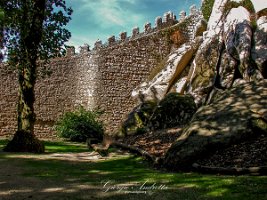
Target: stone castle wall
[101,78]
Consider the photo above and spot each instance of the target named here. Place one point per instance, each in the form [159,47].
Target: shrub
[80,125]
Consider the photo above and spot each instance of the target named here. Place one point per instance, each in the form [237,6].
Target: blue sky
[99,19]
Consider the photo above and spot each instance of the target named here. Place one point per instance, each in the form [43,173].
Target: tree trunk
[31,34]
[26,116]
[24,139]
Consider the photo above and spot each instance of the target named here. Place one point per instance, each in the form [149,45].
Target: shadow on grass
[126,177]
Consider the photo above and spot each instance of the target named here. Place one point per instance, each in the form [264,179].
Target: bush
[80,125]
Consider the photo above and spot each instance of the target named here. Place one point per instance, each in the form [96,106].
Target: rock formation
[224,68]
[232,47]
[226,121]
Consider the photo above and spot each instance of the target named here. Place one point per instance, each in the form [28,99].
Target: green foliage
[173,110]
[138,119]
[206,8]
[232,4]
[22,17]
[80,125]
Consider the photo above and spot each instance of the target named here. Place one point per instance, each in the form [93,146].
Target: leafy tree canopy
[15,23]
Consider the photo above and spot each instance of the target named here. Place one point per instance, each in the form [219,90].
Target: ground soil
[14,185]
[250,153]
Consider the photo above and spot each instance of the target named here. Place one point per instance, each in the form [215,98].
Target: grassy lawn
[118,177]
[58,147]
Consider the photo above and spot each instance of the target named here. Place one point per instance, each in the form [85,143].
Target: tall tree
[33,30]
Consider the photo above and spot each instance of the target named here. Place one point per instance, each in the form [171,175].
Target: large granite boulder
[173,110]
[233,47]
[238,36]
[137,120]
[259,52]
[229,119]
[161,84]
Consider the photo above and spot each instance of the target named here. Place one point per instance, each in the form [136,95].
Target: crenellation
[147,27]
[123,36]
[193,10]
[70,51]
[98,45]
[169,19]
[158,22]
[135,32]
[182,16]
[84,49]
[111,40]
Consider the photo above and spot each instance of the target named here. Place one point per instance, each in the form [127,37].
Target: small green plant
[206,8]
[80,125]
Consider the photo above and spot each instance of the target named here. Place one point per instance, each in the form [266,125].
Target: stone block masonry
[102,78]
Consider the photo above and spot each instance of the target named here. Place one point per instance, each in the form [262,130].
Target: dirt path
[14,185]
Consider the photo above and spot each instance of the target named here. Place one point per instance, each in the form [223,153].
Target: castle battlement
[169,19]
[102,77]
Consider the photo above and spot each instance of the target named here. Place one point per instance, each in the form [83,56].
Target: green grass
[135,172]
[58,147]
[64,147]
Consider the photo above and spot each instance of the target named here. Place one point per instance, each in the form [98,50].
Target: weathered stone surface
[259,52]
[203,69]
[259,4]
[201,27]
[227,70]
[161,84]
[222,123]
[173,110]
[137,120]
[238,35]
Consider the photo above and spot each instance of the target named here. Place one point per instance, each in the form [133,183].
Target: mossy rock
[24,141]
[174,110]
[138,119]
[258,125]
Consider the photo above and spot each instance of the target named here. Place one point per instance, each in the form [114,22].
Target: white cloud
[99,19]
[108,13]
